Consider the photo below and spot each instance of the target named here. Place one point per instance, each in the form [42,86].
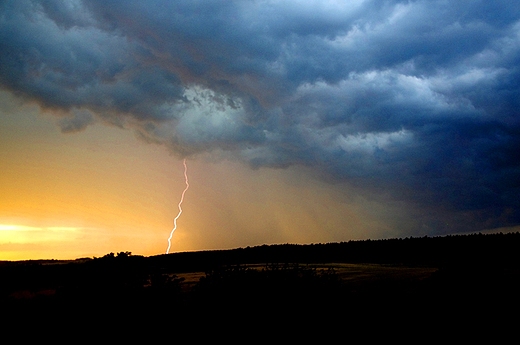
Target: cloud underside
[417,99]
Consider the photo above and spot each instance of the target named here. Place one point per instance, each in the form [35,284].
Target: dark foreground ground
[429,284]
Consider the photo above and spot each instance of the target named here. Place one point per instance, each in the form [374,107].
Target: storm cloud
[415,99]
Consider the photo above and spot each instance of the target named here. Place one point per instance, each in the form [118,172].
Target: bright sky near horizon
[301,122]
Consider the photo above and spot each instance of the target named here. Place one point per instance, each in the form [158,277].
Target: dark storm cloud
[65,67]
[418,99]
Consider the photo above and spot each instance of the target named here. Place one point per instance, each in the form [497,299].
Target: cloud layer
[417,99]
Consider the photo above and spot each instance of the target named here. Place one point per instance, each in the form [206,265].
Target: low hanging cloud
[77,122]
[418,99]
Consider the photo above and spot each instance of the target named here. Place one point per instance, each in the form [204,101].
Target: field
[351,276]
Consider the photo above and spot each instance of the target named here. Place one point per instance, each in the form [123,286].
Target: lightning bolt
[180,204]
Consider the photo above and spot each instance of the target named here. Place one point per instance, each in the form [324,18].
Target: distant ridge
[497,247]
[451,249]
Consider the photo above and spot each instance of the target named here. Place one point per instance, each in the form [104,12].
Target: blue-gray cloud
[418,99]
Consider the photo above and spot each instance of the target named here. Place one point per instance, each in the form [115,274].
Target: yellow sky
[102,190]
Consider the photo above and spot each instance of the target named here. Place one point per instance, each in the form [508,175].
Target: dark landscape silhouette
[452,277]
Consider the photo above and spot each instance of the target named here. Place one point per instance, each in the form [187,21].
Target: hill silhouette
[464,274]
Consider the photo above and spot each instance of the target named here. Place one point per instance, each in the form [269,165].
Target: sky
[300,122]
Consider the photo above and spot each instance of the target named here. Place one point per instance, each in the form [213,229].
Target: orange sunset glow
[103,190]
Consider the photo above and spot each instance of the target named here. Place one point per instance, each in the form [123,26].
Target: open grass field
[354,276]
